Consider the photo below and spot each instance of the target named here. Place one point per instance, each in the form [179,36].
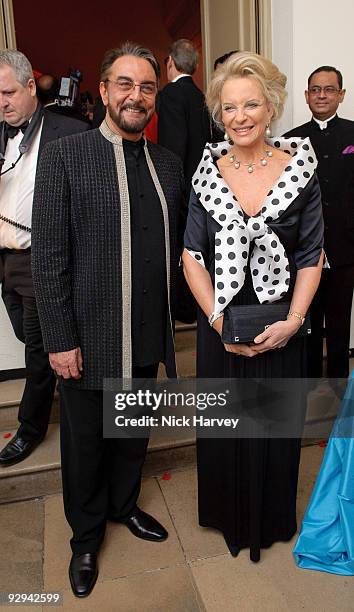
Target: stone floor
[191,571]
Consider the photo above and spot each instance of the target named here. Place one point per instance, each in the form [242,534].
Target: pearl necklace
[250,166]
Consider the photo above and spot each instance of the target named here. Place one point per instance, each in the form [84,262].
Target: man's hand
[67,364]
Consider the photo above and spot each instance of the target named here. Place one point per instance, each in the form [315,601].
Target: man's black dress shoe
[83,573]
[17,450]
[144,526]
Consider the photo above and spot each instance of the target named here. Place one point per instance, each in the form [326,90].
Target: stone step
[10,397]
[39,474]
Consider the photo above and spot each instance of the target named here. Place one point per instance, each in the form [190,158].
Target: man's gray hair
[128,48]
[184,55]
[19,63]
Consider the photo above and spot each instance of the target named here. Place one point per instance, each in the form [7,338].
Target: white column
[7,26]
[226,25]
[282,56]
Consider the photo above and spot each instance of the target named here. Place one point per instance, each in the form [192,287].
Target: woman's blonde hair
[246,64]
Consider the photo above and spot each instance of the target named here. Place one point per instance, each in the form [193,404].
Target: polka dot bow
[268,262]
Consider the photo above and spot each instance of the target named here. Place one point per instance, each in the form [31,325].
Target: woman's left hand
[276,335]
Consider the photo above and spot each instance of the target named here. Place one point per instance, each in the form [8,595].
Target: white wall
[307,34]
[12,351]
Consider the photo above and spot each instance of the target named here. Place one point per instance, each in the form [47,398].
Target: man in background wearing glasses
[333,141]
[104,267]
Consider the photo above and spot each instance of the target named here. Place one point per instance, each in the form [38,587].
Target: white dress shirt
[323,124]
[180,76]
[16,192]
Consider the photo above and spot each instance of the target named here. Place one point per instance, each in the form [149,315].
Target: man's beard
[136,126]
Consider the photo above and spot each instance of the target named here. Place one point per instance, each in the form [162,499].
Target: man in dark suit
[183,127]
[333,141]
[26,127]
[104,267]
[183,119]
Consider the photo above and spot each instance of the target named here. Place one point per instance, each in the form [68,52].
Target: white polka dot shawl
[268,259]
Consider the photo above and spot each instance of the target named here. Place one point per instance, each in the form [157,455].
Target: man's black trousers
[101,476]
[333,301]
[18,297]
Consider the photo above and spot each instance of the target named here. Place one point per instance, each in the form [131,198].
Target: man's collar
[180,76]
[114,137]
[134,144]
[324,124]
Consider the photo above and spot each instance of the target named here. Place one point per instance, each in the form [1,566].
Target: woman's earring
[268,132]
[228,139]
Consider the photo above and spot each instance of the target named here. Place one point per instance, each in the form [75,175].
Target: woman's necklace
[250,166]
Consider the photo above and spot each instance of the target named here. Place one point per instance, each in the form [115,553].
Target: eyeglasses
[127,86]
[315,90]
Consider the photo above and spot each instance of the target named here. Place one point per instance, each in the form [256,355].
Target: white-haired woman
[254,235]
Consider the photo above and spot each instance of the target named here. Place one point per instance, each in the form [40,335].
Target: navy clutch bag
[243,323]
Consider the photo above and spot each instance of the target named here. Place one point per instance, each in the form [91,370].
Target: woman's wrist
[218,323]
[295,314]
[293,323]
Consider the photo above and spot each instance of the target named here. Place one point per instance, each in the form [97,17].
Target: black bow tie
[11,130]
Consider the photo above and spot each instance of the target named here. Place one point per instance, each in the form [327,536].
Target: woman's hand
[237,349]
[241,349]
[276,335]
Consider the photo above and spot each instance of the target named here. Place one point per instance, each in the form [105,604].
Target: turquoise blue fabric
[326,540]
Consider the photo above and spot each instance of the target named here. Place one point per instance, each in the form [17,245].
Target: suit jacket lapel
[50,130]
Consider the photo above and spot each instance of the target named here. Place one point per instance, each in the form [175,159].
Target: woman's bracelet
[214,317]
[298,315]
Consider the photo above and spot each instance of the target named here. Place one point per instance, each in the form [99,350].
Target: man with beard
[104,266]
